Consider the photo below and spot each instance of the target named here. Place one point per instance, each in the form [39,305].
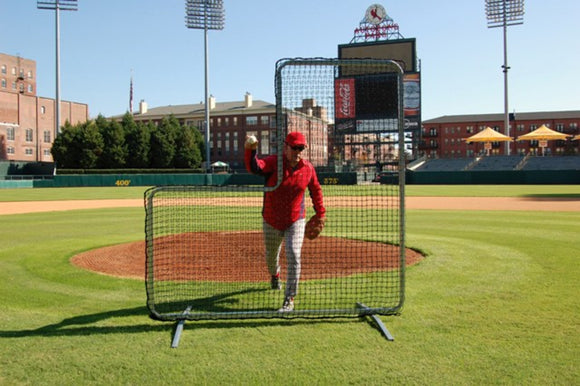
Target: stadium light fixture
[57,6]
[206,15]
[503,13]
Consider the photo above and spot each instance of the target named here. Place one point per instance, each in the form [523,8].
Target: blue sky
[107,41]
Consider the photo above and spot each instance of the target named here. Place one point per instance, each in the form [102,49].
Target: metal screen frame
[158,199]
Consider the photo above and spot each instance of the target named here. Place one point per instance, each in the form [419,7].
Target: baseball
[252,139]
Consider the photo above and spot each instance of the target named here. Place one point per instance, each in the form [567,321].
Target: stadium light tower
[57,5]
[502,13]
[206,15]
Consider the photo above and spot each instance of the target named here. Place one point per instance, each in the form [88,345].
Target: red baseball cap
[296,139]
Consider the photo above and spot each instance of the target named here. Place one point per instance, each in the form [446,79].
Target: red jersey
[284,205]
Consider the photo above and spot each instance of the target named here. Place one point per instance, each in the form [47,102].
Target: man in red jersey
[284,208]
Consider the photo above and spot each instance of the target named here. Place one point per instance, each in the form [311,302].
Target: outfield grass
[495,302]
[103,193]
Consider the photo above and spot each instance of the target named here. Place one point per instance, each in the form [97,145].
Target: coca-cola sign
[344,98]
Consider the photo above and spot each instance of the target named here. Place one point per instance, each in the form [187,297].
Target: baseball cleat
[288,305]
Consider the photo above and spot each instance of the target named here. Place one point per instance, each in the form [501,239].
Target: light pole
[57,5]
[206,15]
[502,13]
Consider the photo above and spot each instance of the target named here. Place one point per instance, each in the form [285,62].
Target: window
[227,142]
[4,69]
[46,152]
[236,142]
[42,109]
[10,134]
[13,70]
[235,121]
[264,120]
[29,74]
[28,151]
[251,120]
[10,150]
[560,127]
[29,88]
[520,127]
[29,135]
[272,122]
[46,136]
[14,86]
[265,141]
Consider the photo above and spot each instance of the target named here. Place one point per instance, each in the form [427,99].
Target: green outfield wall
[529,177]
[175,179]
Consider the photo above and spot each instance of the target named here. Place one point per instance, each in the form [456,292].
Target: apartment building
[27,121]
[444,137]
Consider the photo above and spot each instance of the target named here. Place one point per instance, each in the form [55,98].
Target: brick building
[444,137]
[230,122]
[27,121]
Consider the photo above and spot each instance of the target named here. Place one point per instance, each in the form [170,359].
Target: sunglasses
[297,147]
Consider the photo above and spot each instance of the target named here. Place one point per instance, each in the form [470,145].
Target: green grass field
[104,193]
[495,302]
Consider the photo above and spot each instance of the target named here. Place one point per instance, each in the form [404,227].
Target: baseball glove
[313,227]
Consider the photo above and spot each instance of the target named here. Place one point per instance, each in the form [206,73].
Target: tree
[163,144]
[187,153]
[137,139]
[91,145]
[65,151]
[78,146]
[115,150]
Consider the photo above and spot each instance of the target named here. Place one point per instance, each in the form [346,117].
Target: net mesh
[206,245]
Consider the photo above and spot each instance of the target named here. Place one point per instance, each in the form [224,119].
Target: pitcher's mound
[239,256]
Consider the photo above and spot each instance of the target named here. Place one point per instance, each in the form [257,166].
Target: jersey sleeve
[258,166]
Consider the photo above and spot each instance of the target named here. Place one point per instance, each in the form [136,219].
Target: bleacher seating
[445,164]
[501,162]
[552,163]
[498,162]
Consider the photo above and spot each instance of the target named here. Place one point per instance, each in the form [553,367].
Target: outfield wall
[520,177]
[120,180]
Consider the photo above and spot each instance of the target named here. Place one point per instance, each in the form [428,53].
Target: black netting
[205,245]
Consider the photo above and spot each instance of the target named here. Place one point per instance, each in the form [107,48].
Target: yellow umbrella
[576,138]
[488,135]
[542,133]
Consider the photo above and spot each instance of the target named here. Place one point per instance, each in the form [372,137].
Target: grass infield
[495,302]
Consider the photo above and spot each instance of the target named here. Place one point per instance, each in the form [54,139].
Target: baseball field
[493,301]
